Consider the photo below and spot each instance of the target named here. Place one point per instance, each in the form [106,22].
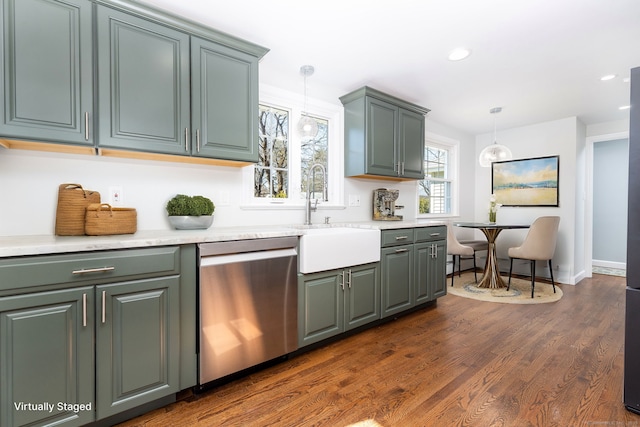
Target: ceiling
[539,60]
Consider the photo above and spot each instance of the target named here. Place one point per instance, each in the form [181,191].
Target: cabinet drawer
[397,237]
[430,233]
[89,267]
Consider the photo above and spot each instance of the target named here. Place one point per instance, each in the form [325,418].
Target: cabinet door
[320,306]
[438,270]
[143,84]
[362,296]
[382,129]
[137,343]
[423,253]
[46,355]
[47,70]
[224,102]
[397,277]
[411,144]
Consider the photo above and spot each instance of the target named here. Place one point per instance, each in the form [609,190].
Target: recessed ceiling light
[608,77]
[459,54]
[624,107]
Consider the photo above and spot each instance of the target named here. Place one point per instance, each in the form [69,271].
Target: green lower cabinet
[430,278]
[397,279]
[437,270]
[137,343]
[332,302]
[47,358]
[47,354]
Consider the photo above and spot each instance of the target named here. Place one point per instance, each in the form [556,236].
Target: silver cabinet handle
[104,306]
[399,251]
[84,310]
[434,234]
[402,170]
[342,280]
[198,140]
[349,278]
[93,270]
[186,139]
[86,126]
[402,237]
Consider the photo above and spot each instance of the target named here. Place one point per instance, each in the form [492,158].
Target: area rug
[519,293]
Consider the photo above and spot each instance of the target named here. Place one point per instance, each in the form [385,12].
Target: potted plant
[190,212]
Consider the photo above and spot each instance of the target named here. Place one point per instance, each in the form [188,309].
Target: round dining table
[491,278]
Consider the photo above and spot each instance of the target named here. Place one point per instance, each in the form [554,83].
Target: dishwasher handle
[246,257]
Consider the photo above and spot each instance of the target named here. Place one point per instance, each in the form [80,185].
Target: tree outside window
[271,173]
[314,151]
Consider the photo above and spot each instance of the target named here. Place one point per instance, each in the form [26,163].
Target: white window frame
[294,103]
[453,147]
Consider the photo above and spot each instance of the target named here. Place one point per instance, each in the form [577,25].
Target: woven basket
[70,213]
[103,219]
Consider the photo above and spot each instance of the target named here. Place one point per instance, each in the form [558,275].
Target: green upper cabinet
[384,135]
[162,90]
[47,67]
[224,102]
[143,84]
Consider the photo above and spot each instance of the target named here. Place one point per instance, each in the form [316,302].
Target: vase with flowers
[493,208]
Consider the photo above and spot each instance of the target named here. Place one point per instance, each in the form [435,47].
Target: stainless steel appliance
[632,323]
[248,298]
[384,205]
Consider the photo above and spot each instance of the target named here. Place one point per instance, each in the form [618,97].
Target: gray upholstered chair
[539,245]
[467,249]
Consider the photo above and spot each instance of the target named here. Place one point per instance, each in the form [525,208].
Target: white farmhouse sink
[329,248]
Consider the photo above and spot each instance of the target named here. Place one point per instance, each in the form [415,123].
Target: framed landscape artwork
[526,182]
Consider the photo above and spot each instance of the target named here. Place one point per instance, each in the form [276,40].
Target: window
[279,179]
[315,151]
[436,190]
[271,175]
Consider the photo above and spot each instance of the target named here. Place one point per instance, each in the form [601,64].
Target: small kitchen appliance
[384,205]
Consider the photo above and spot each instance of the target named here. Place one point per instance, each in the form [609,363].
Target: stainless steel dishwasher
[248,298]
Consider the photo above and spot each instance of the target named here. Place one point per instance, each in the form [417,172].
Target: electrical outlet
[354,200]
[223,198]
[115,195]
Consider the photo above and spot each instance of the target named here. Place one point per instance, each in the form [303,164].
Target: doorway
[606,222]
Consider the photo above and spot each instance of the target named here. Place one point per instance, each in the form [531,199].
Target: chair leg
[552,282]
[453,272]
[510,269]
[475,272]
[533,276]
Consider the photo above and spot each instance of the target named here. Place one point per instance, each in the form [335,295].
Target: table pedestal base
[491,278]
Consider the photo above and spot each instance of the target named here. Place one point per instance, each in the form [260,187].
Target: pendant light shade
[307,126]
[494,152]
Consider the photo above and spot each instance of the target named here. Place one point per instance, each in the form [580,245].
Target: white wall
[29,183]
[564,138]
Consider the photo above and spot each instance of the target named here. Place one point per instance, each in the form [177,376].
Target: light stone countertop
[50,244]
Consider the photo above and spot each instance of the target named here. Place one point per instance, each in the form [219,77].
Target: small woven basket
[70,213]
[103,219]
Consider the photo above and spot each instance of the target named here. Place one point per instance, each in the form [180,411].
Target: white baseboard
[609,264]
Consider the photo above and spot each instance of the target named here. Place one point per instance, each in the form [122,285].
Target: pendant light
[494,152]
[307,126]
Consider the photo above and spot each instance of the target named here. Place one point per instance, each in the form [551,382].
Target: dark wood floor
[459,363]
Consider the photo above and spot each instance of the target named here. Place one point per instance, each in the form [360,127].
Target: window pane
[435,164]
[434,194]
[315,151]
[271,171]
[434,197]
